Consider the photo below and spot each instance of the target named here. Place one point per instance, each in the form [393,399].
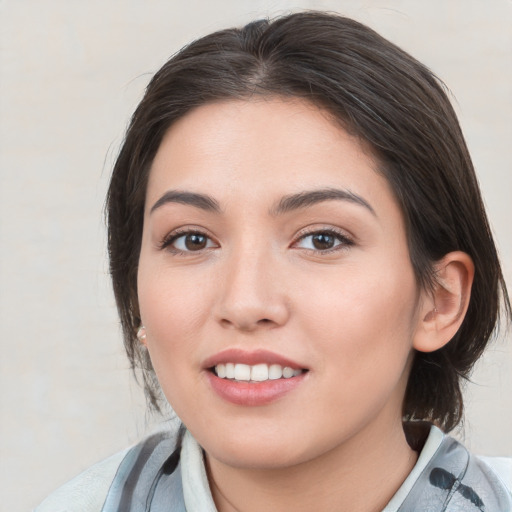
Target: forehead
[262,148]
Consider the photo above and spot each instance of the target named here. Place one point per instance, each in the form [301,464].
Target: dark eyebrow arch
[201,201]
[312,197]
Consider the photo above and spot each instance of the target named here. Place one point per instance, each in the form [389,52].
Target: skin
[350,315]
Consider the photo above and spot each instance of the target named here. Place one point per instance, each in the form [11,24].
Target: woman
[303,266]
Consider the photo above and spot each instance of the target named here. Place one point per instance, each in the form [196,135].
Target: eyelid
[175,234]
[345,238]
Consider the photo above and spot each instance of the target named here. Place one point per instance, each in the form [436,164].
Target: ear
[443,308]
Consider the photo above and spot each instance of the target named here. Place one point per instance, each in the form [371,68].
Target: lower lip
[253,393]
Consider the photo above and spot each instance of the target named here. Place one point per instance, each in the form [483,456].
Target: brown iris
[323,241]
[195,241]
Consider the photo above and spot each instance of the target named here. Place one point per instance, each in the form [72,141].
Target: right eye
[191,241]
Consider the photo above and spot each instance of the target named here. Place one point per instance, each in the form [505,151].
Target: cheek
[364,322]
[174,311]
[172,301]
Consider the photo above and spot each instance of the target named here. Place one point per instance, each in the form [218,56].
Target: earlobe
[444,307]
[141,335]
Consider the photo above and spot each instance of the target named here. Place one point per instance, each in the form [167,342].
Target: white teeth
[221,370]
[275,371]
[257,373]
[287,372]
[230,371]
[242,372]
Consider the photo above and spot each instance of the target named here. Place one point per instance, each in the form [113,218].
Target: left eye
[190,242]
[321,241]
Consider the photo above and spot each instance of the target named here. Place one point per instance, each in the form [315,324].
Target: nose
[252,296]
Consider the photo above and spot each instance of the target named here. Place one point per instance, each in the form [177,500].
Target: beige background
[71,74]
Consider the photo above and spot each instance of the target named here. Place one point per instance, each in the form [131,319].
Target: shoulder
[448,477]
[501,467]
[471,480]
[87,491]
[104,485]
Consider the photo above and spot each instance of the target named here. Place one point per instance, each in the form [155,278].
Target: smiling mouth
[254,373]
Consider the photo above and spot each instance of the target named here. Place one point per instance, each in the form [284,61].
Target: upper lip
[253,357]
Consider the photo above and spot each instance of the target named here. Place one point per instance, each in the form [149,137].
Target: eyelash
[342,238]
[168,241]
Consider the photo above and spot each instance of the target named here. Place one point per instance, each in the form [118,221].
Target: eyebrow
[202,201]
[312,197]
[286,204]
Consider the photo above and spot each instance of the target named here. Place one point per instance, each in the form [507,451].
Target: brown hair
[376,91]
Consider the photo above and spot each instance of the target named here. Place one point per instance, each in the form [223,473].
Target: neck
[362,474]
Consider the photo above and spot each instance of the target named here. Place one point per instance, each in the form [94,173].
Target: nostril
[225,323]
[246,326]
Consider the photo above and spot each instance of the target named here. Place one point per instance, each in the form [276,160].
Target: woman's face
[272,247]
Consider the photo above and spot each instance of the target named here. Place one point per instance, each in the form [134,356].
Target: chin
[255,452]
[258,458]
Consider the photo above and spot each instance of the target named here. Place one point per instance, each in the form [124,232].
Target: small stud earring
[141,333]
